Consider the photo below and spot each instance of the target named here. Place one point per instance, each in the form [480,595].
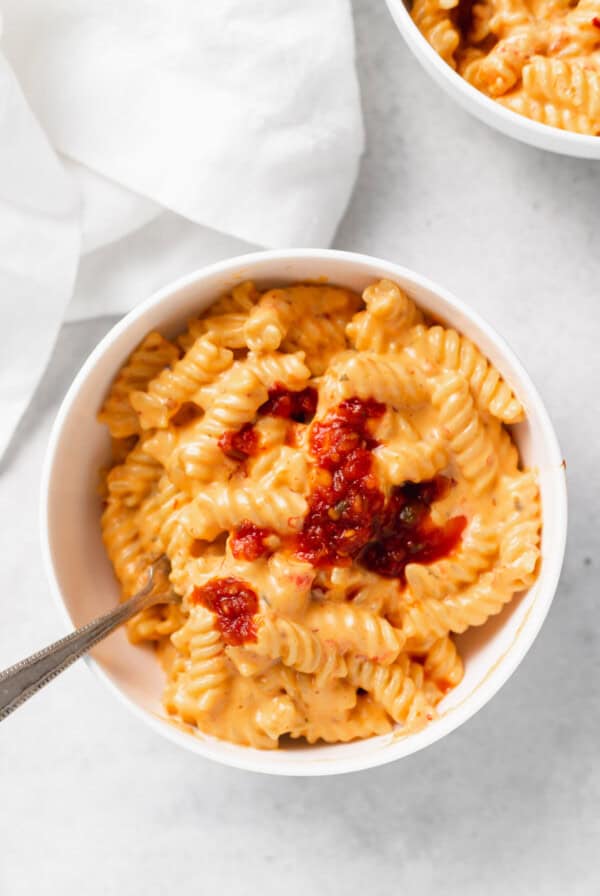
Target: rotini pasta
[132,480]
[439,27]
[153,355]
[453,352]
[387,379]
[298,647]
[394,688]
[355,630]
[383,325]
[465,431]
[166,393]
[200,672]
[337,493]
[477,552]
[443,665]
[366,719]
[540,58]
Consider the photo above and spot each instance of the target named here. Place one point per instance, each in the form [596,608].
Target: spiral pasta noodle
[152,355]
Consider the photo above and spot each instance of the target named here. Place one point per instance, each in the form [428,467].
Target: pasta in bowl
[530,69]
[330,472]
[541,60]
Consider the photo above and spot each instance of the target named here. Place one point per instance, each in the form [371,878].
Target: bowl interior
[82,576]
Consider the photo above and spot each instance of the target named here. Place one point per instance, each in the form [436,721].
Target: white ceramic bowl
[80,573]
[510,123]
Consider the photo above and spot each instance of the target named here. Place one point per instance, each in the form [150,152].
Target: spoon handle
[21,681]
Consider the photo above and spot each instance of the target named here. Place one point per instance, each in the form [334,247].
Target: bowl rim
[512,124]
[500,673]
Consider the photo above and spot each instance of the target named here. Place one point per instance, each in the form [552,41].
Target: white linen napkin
[39,248]
[242,117]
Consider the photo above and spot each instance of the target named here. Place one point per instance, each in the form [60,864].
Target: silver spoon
[21,681]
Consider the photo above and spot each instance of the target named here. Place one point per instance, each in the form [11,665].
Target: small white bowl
[497,116]
[81,576]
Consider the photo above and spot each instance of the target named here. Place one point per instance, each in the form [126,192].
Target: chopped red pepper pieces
[348,516]
[248,541]
[235,605]
[298,406]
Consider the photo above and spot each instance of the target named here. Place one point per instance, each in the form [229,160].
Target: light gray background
[92,802]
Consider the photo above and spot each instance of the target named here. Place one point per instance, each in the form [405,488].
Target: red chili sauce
[406,533]
[344,505]
[348,516]
[241,443]
[248,541]
[234,604]
[596,21]
[298,406]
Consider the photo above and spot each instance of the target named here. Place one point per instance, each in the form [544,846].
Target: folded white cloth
[242,117]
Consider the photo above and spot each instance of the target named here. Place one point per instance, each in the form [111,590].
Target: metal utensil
[21,681]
